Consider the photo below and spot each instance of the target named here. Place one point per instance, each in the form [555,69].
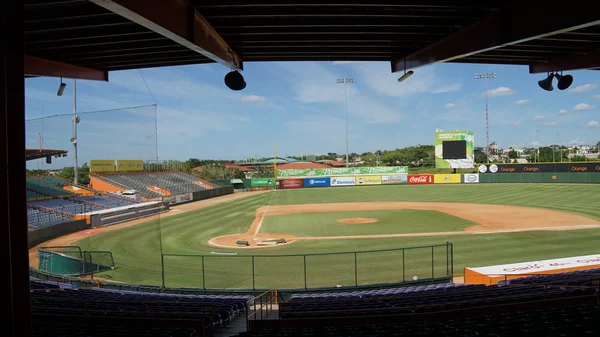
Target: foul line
[263,215]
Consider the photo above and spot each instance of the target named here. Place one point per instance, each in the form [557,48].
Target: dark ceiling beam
[523,21]
[178,21]
[35,66]
[578,62]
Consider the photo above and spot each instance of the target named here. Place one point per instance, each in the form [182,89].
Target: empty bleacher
[46,186]
[587,277]
[104,202]
[37,219]
[173,182]
[576,321]
[64,207]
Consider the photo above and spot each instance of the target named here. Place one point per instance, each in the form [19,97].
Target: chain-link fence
[309,271]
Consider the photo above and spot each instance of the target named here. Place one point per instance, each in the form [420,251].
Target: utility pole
[537,141]
[346,80]
[485,77]
[74,139]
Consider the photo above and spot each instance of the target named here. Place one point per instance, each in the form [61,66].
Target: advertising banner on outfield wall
[291,183]
[420,179]
[446,178]
[130,165]
[186,197]
[540,168]
[399,179]
[368,180]
[471,178]
[99,165]
[341,171]
[262,182]
[343,181]
[317,182]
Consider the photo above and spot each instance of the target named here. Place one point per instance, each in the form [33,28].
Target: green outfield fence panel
[216,192]
[72,261]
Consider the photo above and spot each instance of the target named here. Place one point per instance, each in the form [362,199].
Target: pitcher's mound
[357,220]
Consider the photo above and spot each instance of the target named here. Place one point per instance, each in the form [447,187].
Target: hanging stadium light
[61,88]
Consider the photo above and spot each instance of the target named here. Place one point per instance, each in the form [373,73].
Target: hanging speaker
[546,83]
[564,81]
[235,81]
[48,160]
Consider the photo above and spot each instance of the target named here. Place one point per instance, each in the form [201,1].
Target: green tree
[83,174]
[512,154]
[262,171]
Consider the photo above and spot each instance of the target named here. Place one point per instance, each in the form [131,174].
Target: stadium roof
[31,154]
[87,38]
[302,165]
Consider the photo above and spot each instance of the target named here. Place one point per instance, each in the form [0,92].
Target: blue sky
[298,106]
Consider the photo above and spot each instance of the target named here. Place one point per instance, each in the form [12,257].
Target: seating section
[586,277]
[37,219]
[64,207]
[45,329]
[174,182]
[390,292]
[104,202]
[46,186]
[580,321]
[137,304]
[427,301]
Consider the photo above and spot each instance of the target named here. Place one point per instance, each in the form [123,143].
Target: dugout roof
[88,38]
[31,154]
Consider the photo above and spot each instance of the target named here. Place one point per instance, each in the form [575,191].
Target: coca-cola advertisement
[420,179]
[291,183]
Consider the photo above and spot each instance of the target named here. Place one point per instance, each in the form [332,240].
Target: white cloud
[582,106]
[538,118]
[596,97]
[522,101]
[536,143]
[516,123]
[583,88]
[576,142]
[593,124]
[500,91]
[252,99]
[449,88]
[450,106]
[562,112]
[550,123]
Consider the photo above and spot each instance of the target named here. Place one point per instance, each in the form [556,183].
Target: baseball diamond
[486,223]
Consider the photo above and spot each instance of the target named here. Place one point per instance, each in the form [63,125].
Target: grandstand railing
[410,265]
[263,306]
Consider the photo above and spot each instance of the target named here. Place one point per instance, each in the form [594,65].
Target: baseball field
[487,224]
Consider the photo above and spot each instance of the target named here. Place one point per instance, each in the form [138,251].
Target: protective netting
[125,133]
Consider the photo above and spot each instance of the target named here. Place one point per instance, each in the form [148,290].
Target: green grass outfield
[137,253]
[399,221]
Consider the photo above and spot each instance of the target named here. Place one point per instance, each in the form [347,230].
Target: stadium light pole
[74,139]
[346,80]
[484,77]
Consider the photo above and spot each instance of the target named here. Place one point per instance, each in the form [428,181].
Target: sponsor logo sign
[341,171]
[102,165]
[262,182]
[291,183]
[368,180]
[582,262]
[446,178]
[184,197]
[399,179]
[342,181]
[130,165]
[317,182]
[420,179]
[541,168]
[471,178]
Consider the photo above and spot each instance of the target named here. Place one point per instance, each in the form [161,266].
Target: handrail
[265,304]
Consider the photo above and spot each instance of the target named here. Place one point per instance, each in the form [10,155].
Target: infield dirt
[489,219]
